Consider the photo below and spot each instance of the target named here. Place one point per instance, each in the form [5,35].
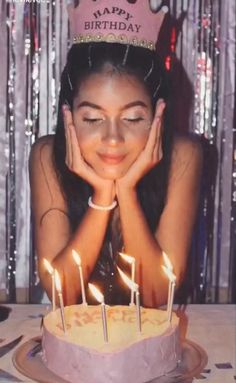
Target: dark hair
[88,58]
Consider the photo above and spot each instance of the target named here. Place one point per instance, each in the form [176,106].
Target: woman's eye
[134,120]
[93,120]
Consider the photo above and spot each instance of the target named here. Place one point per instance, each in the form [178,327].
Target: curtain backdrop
[197,43]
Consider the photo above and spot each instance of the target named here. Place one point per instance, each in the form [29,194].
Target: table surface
[212,327]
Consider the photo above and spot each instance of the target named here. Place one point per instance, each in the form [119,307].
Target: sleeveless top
[105,274]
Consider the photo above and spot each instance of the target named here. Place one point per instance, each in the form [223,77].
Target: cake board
[193,362]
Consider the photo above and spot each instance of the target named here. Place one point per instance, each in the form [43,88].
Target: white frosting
[81,355]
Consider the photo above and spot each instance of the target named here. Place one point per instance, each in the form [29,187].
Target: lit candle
[169,266]
[131,261]
[77,260]
[100,298]
[172,279]
[58,287]
[171,301]
[167,261]
[135,287]
[50,269]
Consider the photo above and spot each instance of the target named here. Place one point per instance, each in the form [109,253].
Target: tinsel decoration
[200,56]
[11,250]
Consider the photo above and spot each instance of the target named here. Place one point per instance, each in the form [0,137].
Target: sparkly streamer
[36,38]
[32,57]
[11,176]
[233,228]
[201,57]
[4,153]
[209,28]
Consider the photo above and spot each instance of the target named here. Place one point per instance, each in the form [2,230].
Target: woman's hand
[148,158]
[104,189]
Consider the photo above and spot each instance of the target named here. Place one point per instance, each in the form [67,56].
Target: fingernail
[65,107]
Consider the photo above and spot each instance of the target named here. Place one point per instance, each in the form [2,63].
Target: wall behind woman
[200,54]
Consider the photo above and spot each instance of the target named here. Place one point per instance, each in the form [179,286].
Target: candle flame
[169,274]
[48,266]
[167,261]
[57,281]
[127,258]
[97,294]
[132,285]
[76,257]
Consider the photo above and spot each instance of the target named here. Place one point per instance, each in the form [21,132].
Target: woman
[114,144]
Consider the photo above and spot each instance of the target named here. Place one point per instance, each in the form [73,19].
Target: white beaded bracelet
[99,207]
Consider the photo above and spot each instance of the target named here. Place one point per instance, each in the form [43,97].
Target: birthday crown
[126,23]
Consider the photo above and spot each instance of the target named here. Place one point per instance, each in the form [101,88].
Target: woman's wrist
[103,197]
[124,192]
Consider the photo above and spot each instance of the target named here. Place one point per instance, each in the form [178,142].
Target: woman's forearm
[87,240]
[141,243]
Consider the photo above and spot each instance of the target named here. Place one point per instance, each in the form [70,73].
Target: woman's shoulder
[44,143]
[187,154]
[42,150]
[45,185]
[41,161]
[187,144]
[187,147]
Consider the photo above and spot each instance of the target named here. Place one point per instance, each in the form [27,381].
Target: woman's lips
[111,159]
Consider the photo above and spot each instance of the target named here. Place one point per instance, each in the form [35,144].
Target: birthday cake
[80,355]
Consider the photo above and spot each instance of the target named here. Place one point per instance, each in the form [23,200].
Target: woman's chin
[110,177]
[111,174]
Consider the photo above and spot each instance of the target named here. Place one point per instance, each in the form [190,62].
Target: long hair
[84,60]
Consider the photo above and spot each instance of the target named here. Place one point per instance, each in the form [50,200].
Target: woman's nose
[112,133]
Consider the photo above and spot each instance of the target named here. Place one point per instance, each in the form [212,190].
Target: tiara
[126,23]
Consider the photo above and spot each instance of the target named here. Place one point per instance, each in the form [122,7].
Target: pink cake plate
[194,359]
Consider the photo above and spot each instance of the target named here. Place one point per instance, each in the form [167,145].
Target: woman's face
[112,115]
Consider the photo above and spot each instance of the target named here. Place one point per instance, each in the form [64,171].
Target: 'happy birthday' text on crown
[105,21]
